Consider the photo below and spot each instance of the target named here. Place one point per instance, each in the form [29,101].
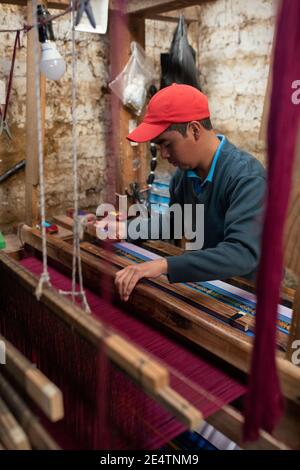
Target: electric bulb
[52,64]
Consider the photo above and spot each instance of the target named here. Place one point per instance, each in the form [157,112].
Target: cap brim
[145,132]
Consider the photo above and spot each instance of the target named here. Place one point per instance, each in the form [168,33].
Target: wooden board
[166,249]
[59,4]
[205,303]
[130,161]
[150,7]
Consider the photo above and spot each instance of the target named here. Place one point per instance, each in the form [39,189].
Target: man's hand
[127,278]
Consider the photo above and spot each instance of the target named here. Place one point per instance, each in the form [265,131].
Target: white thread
[44,278]
[76,221]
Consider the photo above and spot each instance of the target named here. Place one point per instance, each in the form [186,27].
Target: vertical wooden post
[31,173]
[124,30]
[292,247]
[295,326]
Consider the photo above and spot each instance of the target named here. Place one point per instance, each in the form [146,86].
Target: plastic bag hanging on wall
[100,11]
[131,85]
[179,66]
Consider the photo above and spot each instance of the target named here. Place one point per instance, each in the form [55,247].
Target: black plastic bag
[179,66]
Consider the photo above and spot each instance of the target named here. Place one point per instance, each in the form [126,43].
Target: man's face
[179,150]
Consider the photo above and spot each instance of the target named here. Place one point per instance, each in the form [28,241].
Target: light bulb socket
[45,29]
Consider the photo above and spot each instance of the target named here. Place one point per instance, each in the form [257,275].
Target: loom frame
[227,420]
[135,30]
[152,379]
[212,336]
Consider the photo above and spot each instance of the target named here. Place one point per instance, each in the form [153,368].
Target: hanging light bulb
[52,64]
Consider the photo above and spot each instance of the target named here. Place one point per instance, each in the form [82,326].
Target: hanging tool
[84,6]
[4,126]
[3,115]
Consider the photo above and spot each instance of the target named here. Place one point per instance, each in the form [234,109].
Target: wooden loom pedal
[38,436]
[11,433]
[45,394]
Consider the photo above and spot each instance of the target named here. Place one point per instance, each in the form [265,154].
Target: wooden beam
[123,31]
[150,7]
[58,4]
[216,307]
[292,247]
[230,422]
[38,436]
[11,433]
[170,19]
[31,171]
[166,249]
[42,391]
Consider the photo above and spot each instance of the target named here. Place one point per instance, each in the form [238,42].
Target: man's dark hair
[182,127]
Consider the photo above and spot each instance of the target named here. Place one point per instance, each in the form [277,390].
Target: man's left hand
[127,278]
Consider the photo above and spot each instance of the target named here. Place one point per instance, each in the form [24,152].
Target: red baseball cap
[176,103]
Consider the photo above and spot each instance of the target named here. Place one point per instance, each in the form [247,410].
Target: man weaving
[211,171]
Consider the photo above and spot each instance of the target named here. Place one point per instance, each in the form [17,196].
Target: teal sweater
[233,209]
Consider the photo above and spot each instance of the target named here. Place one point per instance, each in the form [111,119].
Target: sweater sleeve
[238,254]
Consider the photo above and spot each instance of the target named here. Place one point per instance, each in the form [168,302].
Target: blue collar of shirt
[209,178]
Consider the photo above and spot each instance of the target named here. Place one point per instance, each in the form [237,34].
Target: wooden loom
[176,315]
[194,324]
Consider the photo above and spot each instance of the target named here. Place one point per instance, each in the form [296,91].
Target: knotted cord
[76,264]
[44,278]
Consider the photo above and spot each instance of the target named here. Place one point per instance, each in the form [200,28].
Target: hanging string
[44,278]
[76,236]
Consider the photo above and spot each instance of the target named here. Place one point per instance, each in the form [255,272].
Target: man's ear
[194,128]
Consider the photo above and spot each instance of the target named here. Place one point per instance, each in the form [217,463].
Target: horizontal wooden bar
[43,392]
[150,7]
[213,306]
[217,308]
[11,433]
[170,19]
[230,422]
[57,4]
[166,249]
[37,435]
[152,376]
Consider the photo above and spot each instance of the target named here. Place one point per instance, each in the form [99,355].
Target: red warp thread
[130,412]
